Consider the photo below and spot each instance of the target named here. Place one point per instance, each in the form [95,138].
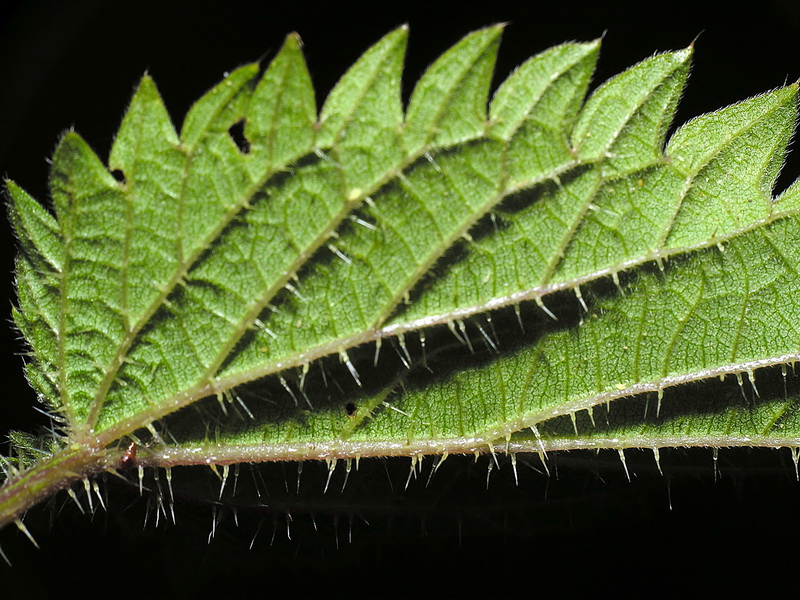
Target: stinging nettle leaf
[626,118]
[467,276]
[448,104]
[280,125]
[540,100]
[362,117]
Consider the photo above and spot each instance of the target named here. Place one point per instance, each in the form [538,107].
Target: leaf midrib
[251,315]
[208,384]
[184,266]
[212,386]
[341,447]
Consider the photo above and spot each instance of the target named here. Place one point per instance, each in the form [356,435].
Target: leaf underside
[368,280]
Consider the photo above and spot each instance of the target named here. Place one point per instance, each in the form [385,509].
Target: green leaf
[535,108]
[280,127]
[362,118]
[465,277]
[448,104]
[625,119]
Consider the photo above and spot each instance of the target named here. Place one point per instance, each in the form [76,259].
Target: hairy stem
[26,488]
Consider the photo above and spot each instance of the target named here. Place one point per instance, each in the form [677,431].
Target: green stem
[26,488]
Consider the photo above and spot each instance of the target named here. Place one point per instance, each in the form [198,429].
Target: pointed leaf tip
[145,126]
[282,110]
[448,104]
[626,118]
[367,96]
[562,72]
[293,40]
[36,228]
[206,111]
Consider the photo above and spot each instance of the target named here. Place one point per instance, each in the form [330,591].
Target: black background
[589,532]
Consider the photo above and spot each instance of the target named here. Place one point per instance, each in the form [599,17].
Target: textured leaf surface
[451,278]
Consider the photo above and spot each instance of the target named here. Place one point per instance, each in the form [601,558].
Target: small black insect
[128,459]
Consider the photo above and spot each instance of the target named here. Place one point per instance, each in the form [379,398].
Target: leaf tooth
[282,110]
[523,95]
[448,104]
[362,117]
[204,113]
[703,138]
[77,173]
[34,226]
[625,119]
[146,124]
[732,158]
[82,189]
